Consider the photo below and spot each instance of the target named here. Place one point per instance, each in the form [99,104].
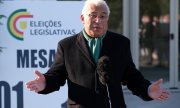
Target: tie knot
[94,41]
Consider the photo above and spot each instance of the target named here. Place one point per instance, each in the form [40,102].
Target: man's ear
[82,18]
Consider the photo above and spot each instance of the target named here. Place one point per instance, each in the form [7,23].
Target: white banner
[29,37]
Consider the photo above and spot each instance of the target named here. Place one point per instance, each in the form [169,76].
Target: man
[76,61]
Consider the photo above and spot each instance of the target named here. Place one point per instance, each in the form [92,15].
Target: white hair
[96,3]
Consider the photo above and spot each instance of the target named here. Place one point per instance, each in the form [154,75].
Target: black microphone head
[103,69]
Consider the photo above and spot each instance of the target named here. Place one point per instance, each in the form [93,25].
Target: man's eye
[102,17]
[94,16]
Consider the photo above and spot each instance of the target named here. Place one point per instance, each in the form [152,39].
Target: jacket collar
[82,45]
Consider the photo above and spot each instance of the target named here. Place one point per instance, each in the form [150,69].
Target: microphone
[103,70]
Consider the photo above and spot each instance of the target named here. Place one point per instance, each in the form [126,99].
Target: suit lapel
[82,45]
[106,45]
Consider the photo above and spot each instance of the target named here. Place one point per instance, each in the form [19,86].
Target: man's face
[95,21]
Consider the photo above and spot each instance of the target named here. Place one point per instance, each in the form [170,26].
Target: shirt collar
[88,38]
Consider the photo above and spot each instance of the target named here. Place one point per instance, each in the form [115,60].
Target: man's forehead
[97,12]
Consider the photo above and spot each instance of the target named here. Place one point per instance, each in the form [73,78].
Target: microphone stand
[107,88]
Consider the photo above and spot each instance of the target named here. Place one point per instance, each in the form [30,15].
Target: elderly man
[77,58]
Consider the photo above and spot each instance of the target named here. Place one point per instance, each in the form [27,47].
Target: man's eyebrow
[104,12]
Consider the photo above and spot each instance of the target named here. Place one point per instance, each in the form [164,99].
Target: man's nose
[98,20]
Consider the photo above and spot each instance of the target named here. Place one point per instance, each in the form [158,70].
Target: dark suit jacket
[74,63]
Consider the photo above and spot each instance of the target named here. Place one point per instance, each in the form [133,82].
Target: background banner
[29,35]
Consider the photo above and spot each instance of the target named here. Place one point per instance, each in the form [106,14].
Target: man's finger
[30,82]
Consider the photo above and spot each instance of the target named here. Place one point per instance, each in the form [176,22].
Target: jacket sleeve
[134,79]
[56,76]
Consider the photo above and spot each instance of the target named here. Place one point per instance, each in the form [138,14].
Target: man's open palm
[38,84]
[158,93]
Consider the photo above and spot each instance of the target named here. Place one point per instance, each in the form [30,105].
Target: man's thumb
[160,81]
[38,74]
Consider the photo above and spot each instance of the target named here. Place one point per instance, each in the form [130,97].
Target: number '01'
[18,88]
